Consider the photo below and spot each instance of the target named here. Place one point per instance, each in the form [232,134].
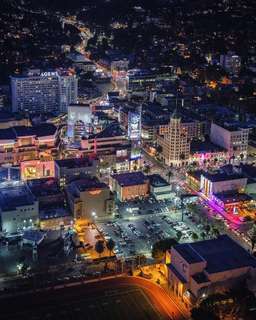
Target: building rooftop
[204,147]
[221,254]
[157,181]
[42,130]
[130,178]
[44,187]
[200,278]
[113,130]
[75,163]
[248,170]
[196,174]
[88,183]
[9,116]
[231,197]
[222,176]
[12,197]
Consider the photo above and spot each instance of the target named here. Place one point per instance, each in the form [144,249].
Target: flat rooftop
[113,130]
[12,197]
[130,178]
[46,129]
[157,181]
[221,254]
[89,183]
[205,147]
[75,163]
[44,187]
[231,197]
[222,176]
[196,174]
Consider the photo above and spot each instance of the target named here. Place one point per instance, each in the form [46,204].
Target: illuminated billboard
[134,126]
[135,153]
[36,169]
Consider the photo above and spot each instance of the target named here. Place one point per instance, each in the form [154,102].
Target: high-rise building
[231,62]
[44,91]
[175,143]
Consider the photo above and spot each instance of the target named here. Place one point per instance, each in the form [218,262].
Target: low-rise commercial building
[202,151]
[206,267]
[21,143]
[130,185]
[90,199]
[67,170]
[233,139]
[19,209]
[36,169]
[218,182]
[160,188]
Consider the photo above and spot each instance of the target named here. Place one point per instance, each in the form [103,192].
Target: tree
[215,232]
[207,228]
[147,169]
[178,235]
[194,236]
[203,235]
[252,236]
[160,247]
[110,245]
[169,175]
[99,247]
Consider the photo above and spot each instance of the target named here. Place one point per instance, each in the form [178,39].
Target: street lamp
[94,216]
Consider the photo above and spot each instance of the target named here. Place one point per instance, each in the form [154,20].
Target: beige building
[90,199]
[232,139]
[130,185]
[175,142]
[206,267]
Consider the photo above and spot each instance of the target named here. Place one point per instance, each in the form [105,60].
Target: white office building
[44,91]
[233,139]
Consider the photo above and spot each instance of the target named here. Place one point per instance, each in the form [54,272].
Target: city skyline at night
[128,159]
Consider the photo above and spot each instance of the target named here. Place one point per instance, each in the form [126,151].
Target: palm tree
[147,169]
[215,232]
[110,245]
[194,236]
[99,247]
[178,235]
[252,236]
[169,175]
[203,235]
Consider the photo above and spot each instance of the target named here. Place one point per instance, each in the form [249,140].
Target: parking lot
[141,224]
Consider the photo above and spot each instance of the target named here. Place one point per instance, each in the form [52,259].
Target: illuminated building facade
[90,199]
[232,139]
[19,144]
[130,185]
[37,169]
[9,120]
[19,208]
[79,121]
[67,170]
[44,91]
[202,151]
[231,62]
[175,143]
[214,183]
[206,267]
